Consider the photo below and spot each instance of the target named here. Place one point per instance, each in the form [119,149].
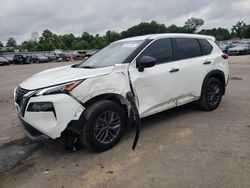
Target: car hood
[62,75]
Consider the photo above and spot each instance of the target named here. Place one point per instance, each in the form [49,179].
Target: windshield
[115,53]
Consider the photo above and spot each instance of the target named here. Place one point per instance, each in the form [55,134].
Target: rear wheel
[105,125]
[211,94]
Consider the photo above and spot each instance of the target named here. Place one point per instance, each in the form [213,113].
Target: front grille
[20,92]
[22,97]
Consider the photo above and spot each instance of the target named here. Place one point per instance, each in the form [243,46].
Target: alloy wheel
[213,94]
[107,127]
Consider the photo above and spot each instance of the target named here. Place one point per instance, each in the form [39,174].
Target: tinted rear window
[186,48]
[205,47]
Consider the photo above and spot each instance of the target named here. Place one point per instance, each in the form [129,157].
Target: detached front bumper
[41,124]
[31,132]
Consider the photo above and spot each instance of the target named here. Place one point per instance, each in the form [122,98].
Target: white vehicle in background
[239,49]
[93,102]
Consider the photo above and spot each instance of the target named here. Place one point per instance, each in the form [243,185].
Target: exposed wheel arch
[119,99]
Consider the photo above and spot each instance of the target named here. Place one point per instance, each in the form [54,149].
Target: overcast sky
[18,18]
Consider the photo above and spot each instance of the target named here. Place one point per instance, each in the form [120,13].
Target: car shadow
[166,116]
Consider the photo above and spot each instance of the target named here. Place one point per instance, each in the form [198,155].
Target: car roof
[169,35]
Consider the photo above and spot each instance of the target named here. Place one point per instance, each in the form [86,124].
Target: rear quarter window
[206,47]
[185,48]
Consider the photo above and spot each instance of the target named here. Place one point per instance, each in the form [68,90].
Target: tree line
[50,41]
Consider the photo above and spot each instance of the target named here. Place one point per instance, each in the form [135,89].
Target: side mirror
[145,62]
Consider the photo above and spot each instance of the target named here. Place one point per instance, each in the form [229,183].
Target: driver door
[156,88]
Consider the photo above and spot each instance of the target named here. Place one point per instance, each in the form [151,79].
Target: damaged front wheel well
[112,97]
[73,131]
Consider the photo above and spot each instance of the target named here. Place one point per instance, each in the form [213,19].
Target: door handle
[207,63]
[174,70]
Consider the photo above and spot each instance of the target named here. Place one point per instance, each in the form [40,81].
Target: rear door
[194,61]
[157,88]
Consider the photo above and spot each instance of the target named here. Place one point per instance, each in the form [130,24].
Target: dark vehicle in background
[52,57]
[39,59]
[88,55]
[4,61]
[62,57]
[20,59]
[9,58]
[239,49]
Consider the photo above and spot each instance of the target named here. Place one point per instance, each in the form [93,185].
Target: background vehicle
[62,57]
[19,59]
[4,61]
[52,57]
[9,58]
[93,102]
[225,47]
[74,56]
[239,49]
[39,59]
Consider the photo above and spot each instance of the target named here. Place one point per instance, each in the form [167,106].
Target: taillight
[224,56]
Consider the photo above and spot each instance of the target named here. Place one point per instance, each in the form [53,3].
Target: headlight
[63,88]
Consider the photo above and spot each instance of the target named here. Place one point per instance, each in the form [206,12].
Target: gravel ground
[182,147]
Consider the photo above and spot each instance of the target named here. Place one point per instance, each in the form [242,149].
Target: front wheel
[211,94]
[105,125]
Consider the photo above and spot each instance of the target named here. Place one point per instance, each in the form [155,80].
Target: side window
[161,50]
[205,47]
[186,48]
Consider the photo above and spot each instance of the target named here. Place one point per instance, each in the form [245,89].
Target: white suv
[94,101]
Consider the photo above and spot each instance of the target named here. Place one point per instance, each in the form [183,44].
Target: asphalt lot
[182,147]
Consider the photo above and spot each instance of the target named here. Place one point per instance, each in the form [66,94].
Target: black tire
[211,94]
[93,115]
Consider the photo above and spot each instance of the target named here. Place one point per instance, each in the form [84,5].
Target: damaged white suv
[94,101]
